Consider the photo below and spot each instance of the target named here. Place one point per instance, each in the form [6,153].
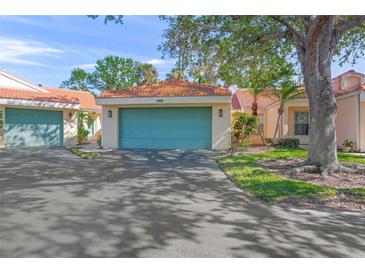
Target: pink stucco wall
[347,120]
[352,81]
[336,84]
[362,126]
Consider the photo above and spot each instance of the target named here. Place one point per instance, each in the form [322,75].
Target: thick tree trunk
[254,109]
[322,132]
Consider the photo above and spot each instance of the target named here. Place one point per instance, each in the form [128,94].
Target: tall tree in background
[147,74]
[114,72]
[79,80]
[111,73]
[175,74]
[311,42]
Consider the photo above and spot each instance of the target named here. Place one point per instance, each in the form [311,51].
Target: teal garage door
[165,128]
[30,127]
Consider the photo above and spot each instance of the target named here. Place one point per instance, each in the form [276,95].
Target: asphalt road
[153,204]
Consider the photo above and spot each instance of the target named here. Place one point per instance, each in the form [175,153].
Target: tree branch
[347,25]
[343,27]
[316,27]
[277,35]
[297,34]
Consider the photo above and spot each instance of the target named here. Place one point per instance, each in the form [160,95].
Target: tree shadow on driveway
[153,204]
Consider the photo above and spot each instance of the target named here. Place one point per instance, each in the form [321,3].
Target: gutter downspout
[358,124]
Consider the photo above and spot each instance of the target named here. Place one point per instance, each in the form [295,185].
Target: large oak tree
[226,46]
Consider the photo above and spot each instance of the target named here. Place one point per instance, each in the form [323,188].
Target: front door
[301,126]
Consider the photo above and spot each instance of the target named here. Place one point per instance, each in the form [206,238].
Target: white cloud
[159,62]
[17,51]
[86,66]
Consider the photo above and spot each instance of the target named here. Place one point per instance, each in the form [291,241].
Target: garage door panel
[165,128]
[29,127]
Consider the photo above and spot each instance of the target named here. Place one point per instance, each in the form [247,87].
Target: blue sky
[44,49]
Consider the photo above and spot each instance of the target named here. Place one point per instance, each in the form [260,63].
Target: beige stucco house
[32,115]
[349,89]
[166,115]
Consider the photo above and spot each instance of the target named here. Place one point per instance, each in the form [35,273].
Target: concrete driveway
[153,204]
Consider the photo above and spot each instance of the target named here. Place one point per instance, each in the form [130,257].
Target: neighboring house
[87,104]
[31,115]
[349,89]
[166,115]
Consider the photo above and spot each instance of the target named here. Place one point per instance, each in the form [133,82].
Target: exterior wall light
[110,113]
[70,115]
[220,112]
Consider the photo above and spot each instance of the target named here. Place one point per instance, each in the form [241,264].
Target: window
[301,120]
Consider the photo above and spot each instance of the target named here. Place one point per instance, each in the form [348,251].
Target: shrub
[243,127]
[98,138]
[288,143]
[82,135]
[348,143]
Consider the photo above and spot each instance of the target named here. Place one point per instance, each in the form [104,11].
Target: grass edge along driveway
[84,154]
[270,187]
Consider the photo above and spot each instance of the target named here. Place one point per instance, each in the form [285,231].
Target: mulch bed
[338,180]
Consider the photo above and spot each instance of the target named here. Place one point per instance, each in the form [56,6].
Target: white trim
[29,85]
[91,110]
[42,104]
[352,93]
[164,100]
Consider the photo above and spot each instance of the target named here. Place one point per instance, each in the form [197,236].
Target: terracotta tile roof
[235,103]
[246,99]
[86,99]
[168,88]
[350,90]
[351,71]
[22,94]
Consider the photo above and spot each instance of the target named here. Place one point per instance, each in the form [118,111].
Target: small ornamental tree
[82,132]
[243,127]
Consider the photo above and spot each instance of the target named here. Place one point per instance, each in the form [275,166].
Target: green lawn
[84,154]
[269,186]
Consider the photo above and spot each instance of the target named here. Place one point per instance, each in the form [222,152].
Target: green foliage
[252,51]
[288,143]
[79,80]
[175,74]
[116,19]
[146,74]
[243,127]
[348,143]
[268,186]
[82,133]
[351,158]
[301,153]
[84,154]
[112,72]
